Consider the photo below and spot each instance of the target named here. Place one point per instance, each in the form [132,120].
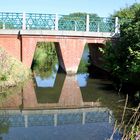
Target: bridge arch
[95,53]
[55,46]
[69,50]
[69,45]
[21,31]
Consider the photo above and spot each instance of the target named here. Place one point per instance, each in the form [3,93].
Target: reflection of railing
[58,22]
[58,117]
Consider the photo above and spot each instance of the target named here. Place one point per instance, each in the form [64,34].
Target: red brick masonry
[69,48]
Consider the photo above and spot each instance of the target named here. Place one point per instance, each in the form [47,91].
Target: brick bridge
[20,33]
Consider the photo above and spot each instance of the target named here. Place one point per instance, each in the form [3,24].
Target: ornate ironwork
[40,21]
[100,24]
[11,20]
[72,23]
[50,21]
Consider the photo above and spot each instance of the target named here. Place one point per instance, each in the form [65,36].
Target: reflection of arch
[50,94]
[94,94]
[102,91]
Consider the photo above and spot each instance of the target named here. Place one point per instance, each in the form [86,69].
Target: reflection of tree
[4,123]
[83,67]
[45,59]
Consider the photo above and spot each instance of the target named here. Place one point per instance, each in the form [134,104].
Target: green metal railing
[30,21]
[102,24]
[11,20]
[67,22]
[40,21]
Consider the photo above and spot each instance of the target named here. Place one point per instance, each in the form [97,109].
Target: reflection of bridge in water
[55,113]
[29,118]
[66,93]
[29,108]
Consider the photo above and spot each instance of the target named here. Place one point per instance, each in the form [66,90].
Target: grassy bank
[12,71]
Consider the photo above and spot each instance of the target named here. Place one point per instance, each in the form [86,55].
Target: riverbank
[12,71]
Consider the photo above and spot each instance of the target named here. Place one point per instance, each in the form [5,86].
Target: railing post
[84,118]
[56,22]
[24,21]
[3,26]
[116,25]
[26,120]
[98,27]
[55,120]
[87,23]
[75,26]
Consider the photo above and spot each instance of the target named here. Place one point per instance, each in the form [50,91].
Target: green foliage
[77,16]
[4,126]
[123,58]
[1,25]
[44,52]
[84,63]
[128,12]
[11,70]
[134,133]
[45,59]
[83,67]
[7,25]
[3,77]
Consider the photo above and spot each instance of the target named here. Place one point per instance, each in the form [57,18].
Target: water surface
[57,106]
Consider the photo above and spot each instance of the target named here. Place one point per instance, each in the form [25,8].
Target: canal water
[56,106]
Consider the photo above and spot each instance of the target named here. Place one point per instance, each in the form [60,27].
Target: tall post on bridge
[117,26]
[3,26]
[56,22]
[87,23]
[24,21]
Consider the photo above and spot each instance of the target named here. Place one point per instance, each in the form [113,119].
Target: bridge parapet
[35,21]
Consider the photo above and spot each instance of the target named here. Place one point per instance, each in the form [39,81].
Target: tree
[123,58]
[128,12]
[45,59]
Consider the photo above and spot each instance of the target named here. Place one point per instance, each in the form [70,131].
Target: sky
[101,7]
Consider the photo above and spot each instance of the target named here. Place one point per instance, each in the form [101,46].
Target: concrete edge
[58,33]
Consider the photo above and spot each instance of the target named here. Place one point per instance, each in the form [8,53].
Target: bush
[12,70]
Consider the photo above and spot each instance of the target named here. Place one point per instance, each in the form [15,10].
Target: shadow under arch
[93,56]
[95,53]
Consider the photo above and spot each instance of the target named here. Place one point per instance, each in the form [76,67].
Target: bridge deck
[58,33]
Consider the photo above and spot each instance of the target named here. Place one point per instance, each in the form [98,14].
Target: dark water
[57,106]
